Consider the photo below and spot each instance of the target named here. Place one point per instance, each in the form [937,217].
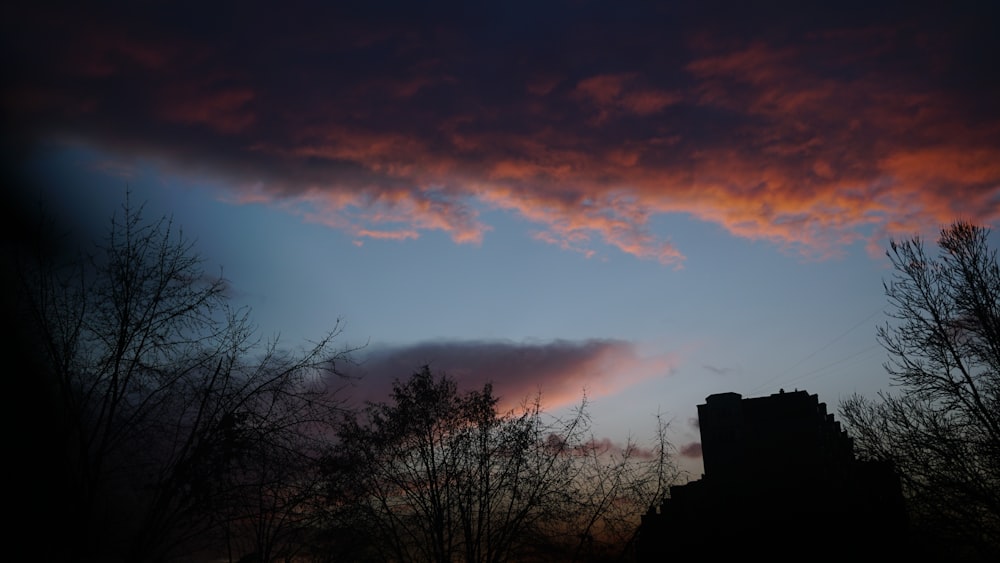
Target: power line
[807,357]
[819,371]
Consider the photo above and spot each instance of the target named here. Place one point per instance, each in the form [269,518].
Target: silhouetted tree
[268,490]
[162,392]
[613,486]
[942,428]
[436,475]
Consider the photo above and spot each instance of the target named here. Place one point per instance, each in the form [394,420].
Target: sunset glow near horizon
[649,202]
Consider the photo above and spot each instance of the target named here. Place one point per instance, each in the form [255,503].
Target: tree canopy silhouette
[170,413]
[172,430]
[438,475]
[941,427]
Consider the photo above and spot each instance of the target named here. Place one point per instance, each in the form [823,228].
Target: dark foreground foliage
[941,425]
[162,428]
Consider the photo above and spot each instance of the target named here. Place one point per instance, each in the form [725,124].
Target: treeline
[940,424]
[158,426]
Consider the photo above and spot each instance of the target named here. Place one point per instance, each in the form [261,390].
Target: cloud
[691,450]
[560,371]
[718,370]
[224,111]
[811,133]
[607,446]
[616,93]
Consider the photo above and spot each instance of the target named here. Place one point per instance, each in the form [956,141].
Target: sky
[643,202]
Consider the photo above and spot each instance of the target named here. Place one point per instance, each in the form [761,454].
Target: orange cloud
[107,51]
[811,139]
[945,165]
[618,93]
[616,218]
[604,89]
[648,102]
[814,176]
[413,212]
[226,111]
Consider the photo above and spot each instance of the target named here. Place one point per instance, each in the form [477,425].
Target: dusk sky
[649,201]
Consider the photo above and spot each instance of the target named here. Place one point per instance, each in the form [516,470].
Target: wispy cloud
[719,370]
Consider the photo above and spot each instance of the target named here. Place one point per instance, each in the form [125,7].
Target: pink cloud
[387,235]
[691,450]
[560,372]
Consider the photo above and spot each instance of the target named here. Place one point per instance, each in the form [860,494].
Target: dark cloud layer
[812,128]
[560,371]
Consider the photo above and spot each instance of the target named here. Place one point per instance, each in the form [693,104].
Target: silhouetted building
[781,482]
